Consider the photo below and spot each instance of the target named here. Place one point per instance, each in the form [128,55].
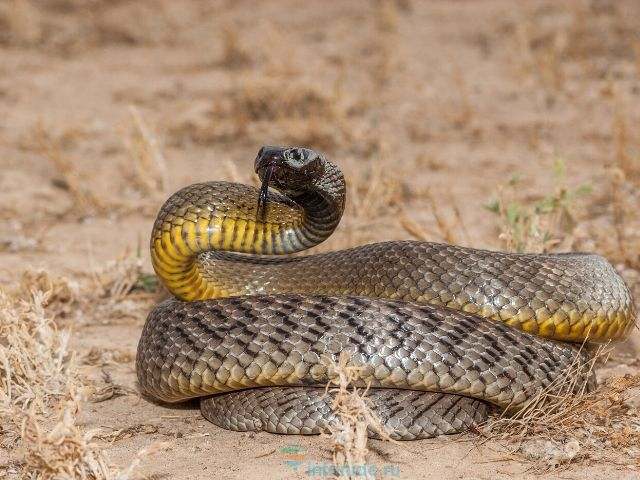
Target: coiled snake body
[440,331]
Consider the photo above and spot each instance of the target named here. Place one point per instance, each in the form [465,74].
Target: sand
[430,107]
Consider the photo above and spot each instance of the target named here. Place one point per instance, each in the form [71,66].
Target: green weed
[541,225]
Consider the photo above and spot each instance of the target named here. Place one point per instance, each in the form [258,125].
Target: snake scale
[443,333]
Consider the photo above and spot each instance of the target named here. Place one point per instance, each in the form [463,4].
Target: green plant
[543,224]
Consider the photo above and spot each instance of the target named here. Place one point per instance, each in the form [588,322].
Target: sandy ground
[439,102]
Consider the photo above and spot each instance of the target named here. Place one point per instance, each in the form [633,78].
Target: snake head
[290,170]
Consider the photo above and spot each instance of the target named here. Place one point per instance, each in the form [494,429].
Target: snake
[442,335]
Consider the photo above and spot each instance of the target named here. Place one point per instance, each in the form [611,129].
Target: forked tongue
[264,190]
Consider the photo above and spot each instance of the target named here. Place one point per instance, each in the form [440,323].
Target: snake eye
[296,156]
[301,158]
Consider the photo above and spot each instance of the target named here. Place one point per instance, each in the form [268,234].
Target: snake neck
[322,205]
[222,217]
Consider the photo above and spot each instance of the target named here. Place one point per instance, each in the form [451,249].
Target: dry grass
[41,395]
[543,56]
[593,35]
[20,23]
[450,230]
[258,100]
[554,39]
[378,195]
[37,364]
[354,419]
[602,29]
[102,356]
[566,428]
[464,113]
[613,228]
[146,167]
[373,193]
[65,451]
[279,105]
[384,43]
[302,112]
[63,295]
[122,277]
[569,428]
[41,390]
[16,237]
[550,406]
[120,291]
[121,288]
[268,110]
[66,27]
[83,200]
[604,424]
[543,224]
[234,54]
[142,186]
[624,181]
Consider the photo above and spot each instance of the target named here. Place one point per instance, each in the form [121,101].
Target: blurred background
[489,123]
[484,123]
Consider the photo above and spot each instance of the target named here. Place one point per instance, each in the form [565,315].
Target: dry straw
[37,364]
[84,200]
[149,170]
[573,420]
[354,419]
[41,396]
